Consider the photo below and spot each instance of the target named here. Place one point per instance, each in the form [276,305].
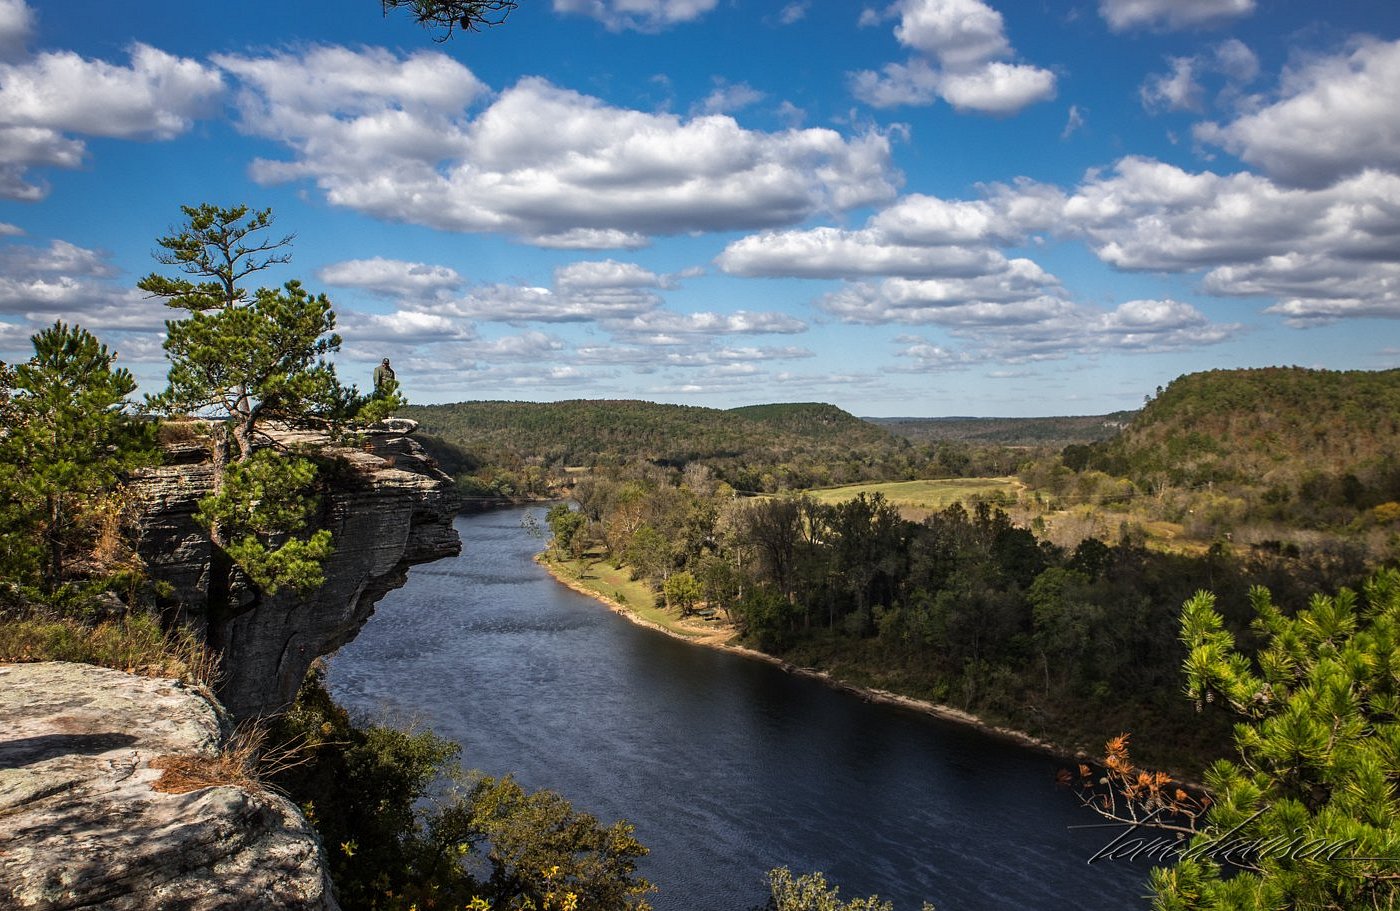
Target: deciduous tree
[542,853]
[774,529]
[682,591]
[568,529]
[810,892]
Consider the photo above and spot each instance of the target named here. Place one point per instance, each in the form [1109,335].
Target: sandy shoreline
[869,694]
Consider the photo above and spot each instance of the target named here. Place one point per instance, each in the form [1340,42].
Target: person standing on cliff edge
[383,377]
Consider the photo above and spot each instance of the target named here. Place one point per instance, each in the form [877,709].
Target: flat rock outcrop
[82,827]
[387,506]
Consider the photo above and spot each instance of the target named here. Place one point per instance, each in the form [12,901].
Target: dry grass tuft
[182,774]
[177,430]
[246,761]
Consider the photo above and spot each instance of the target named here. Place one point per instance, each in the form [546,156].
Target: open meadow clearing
[916,499]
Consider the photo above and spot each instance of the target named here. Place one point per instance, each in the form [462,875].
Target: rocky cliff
[388,508]
[88,820]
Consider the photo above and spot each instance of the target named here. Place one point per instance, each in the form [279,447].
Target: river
[727,766]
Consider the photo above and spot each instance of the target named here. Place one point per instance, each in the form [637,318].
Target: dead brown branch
[1122,792]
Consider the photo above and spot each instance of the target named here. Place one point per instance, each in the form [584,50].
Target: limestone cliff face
[82,825]
[388,508]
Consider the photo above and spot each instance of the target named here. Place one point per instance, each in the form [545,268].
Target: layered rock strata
[388,508]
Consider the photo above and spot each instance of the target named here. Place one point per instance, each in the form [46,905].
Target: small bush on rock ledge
[403,827]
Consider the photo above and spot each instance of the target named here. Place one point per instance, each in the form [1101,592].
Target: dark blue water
[726,766]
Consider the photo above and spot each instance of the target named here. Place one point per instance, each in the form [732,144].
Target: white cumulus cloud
[667,327]
[588,291]
[1336,116]
[1174,91]
[46,97]
[549,165]
[920,236]
[1022,288]
[1053,328]
[794,12]
[962,44]
[955,32]
[828,252]
[16,25]
[637,15]
[728,97]
[391,277]
[1230,64]
[61,280]
[997,88]
[402,327]
[1234,58]
[913,83]
[1322,253]
[1122,15]
[156,97]
[595,275]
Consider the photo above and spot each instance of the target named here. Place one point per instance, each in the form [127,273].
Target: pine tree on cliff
[66,438]
[246,359]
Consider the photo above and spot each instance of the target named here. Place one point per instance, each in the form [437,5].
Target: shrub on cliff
[810,892]
[404,827]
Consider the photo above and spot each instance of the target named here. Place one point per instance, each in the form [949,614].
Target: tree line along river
[726,766]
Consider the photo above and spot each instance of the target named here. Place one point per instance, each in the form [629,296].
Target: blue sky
[920,207]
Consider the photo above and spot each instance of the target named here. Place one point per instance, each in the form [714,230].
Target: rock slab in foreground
[82,828]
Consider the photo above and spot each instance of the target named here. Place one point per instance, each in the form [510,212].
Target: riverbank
[721,636]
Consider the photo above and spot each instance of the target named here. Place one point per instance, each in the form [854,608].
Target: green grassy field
[927,496]
[602,578]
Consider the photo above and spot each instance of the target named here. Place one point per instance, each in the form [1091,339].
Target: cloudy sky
[918,207]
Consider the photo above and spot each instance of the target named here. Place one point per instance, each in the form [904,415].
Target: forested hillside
[1050,431]
[813,420]
[1306,447]
[495,447]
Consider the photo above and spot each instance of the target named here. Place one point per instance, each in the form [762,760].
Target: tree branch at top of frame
[451,15]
